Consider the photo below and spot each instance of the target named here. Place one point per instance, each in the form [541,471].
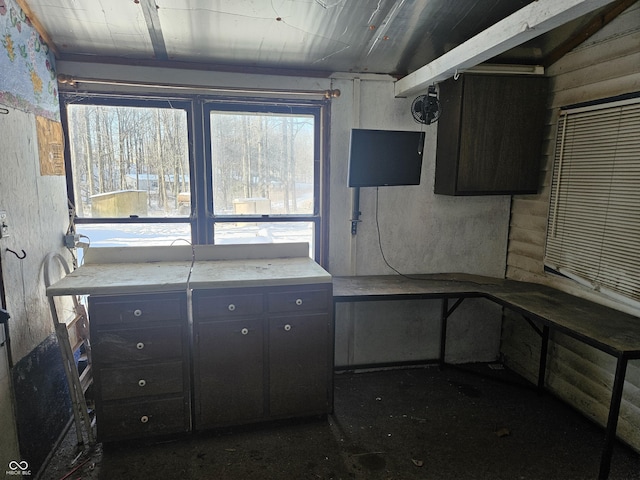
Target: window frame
[202,219]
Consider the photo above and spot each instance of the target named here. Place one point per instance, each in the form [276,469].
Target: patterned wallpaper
[27,68]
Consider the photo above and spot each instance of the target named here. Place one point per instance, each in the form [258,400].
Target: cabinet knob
[142,382]
[287,327]
[244,331]
[137,312]
[231,307]
[139,345]
[298,301]
[144,419]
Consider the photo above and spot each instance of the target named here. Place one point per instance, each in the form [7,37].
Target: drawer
[137,344]
[120,420]
[235,305]
[140,381]
[299,301]
[145,308]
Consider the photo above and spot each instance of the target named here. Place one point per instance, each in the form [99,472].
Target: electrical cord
[380,236]
[404,275]
[380,239]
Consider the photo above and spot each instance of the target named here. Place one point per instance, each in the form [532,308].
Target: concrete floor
[419,423]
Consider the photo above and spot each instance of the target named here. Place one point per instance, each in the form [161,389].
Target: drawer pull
[244,331]
[144,419]
[142,382]
[298,301]
[137,313]
[287,327]
[231,307]
[139,345]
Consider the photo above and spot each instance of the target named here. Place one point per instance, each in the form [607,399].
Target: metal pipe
[355,212]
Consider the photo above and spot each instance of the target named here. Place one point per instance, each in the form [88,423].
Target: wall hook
[24,254]
[4,111]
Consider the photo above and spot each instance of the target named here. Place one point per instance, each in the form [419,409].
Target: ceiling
[316,37]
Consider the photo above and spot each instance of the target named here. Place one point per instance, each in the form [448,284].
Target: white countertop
[124,270]
[257,272]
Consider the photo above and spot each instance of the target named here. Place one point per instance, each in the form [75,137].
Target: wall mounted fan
[426,108]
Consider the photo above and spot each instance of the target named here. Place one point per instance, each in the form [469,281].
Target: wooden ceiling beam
[533,20]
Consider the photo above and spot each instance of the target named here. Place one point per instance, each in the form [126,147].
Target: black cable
[380,239]
[408,277]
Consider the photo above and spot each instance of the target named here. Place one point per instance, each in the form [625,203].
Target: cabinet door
[229,372]
[490,135]
[299,364]
[501,138]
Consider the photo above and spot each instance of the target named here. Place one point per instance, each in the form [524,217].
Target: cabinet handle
[244,331]
[142,382]
[137,313]
[139,345]
[298,301]
[287,327]
[144,419]
[231,307]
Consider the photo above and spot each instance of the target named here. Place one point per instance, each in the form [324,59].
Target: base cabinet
[262,353]
[250,355]
[140,349]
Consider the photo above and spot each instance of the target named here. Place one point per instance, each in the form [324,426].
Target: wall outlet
[4,228]
[70,240]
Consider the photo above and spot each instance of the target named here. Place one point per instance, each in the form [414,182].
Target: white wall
[421,232]
[37,216]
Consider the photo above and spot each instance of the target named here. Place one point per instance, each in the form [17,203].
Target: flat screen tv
[385,158]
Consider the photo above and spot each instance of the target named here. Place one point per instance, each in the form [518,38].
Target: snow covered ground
[148,234]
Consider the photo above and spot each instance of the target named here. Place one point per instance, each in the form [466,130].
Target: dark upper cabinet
[490,134]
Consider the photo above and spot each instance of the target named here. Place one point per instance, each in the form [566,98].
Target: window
[153,171]
[129,161]
[593,234]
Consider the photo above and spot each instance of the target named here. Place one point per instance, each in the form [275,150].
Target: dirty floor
[419,423]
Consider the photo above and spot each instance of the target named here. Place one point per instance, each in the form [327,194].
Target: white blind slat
[593,232]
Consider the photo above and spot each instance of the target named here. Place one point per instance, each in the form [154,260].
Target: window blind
[593,234]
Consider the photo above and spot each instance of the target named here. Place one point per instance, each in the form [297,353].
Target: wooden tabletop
[605,328]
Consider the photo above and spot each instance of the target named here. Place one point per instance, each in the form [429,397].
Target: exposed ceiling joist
[529,22]
[151,17]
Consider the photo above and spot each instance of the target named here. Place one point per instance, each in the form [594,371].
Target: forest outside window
[140,174]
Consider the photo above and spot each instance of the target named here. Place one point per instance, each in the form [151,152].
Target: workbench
[544,308]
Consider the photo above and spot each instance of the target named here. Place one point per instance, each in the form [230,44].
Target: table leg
[612,422]
[444,313]
[543,357]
